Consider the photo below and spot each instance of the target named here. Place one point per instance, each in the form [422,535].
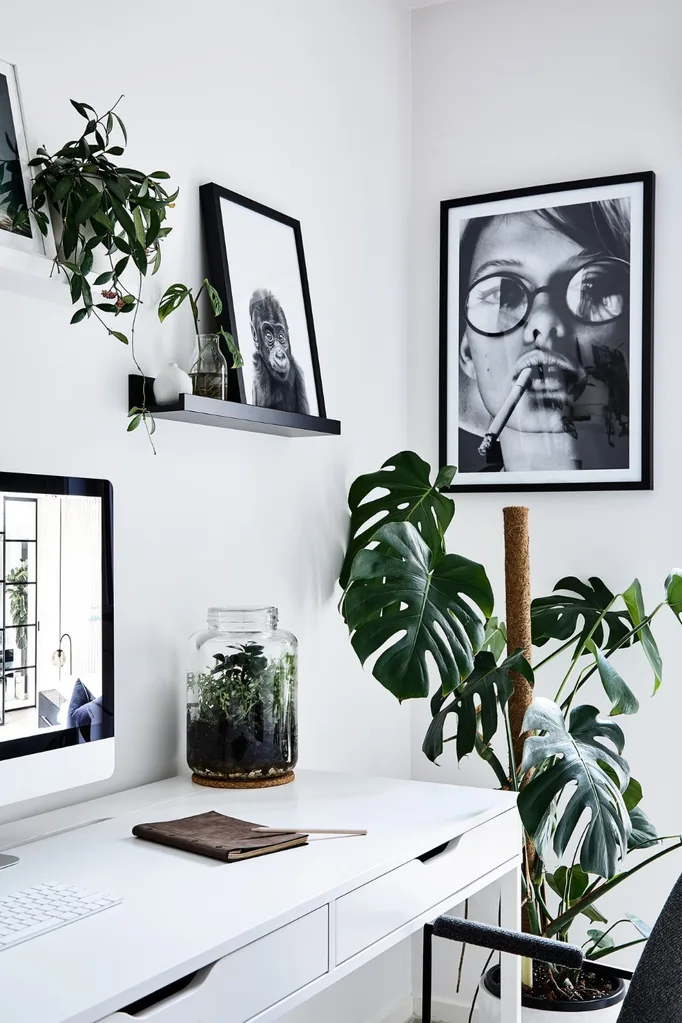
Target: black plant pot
[491,983]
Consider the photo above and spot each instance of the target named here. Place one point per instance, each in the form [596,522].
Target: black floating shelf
[232,415]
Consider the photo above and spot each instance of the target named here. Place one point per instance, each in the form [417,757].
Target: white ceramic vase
[170,384]
[488,1011]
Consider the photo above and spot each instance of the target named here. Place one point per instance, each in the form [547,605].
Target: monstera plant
[407,601]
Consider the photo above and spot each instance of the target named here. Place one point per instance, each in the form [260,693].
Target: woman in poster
[544,339]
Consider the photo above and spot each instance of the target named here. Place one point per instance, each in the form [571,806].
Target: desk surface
[182,912]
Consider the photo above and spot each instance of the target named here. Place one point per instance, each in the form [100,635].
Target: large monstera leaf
[575,611]
[408,496]
[489,683]
[562,758]
[419,601]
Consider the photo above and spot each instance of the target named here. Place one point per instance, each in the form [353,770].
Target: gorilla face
[274,344]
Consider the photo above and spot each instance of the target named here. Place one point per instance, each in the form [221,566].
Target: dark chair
[655,991]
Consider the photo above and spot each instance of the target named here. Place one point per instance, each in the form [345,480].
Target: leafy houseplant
[208,371]
[17,590]
[579,803]
[100,208]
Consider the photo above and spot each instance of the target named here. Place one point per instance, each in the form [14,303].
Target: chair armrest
[558,952]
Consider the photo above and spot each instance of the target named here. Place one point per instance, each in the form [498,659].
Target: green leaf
[87,294]
[231,345]
[101,218]
[120,266]
[643,833]
[575,613]
[76,287]
[571,882]
[119,336]
[134,423]
[115,150]
[140,231]
[107,307]
[123,128]
[122,244]
[139,257]
[62,189]
[421,602]
[86,261]
[103,278]
[160,175]
[88,207]
[601,938]
[634,602]
[172,297]
[673,591]
[214,298]
[153,229]
[632,795]
[84,109]
[490,685]
[495,638]
[623,700]
[69,238]
[643,928]
[408,496]
[564,757]
[123,217]
[79,315]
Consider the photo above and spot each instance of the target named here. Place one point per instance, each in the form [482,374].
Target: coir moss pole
[517,584]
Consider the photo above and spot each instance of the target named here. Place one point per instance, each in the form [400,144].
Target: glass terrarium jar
[241,700]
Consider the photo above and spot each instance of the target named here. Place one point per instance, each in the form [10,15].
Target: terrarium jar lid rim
[246,615]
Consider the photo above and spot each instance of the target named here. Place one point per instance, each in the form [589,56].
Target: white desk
[263,934]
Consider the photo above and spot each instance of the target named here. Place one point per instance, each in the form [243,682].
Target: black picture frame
[211,195]
[643,183]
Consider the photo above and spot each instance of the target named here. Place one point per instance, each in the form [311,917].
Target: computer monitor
[56,634]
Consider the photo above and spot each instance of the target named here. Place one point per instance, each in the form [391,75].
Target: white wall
[516,95]
[300,104]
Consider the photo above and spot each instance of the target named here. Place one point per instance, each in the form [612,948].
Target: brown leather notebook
[213,834]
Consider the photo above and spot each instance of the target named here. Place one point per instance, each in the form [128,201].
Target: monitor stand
[7,861]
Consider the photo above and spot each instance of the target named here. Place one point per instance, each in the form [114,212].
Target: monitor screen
[56,613]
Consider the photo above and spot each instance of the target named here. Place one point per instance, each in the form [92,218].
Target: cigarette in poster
[498,424]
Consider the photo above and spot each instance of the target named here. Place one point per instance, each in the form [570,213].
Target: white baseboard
[401,1012]
[445,1011]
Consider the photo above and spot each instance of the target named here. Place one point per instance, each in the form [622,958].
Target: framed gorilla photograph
[546,336]
[257,264]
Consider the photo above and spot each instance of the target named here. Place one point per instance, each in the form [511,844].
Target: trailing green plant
[405,598]
[176,294]
[17,591]
[101,209]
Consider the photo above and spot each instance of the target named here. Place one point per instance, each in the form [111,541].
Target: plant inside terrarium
[240,718]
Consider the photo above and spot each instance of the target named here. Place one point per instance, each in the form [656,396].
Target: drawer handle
[162,995]
[437,850]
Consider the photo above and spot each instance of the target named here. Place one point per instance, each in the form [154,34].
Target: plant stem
[555,653]
[581,647]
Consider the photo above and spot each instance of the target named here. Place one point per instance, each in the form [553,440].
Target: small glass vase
[209,367]
[241,700]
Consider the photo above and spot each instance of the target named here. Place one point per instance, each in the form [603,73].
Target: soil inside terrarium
[589,985]
[221,748]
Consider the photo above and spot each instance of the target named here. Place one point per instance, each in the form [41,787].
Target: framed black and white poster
[257,264]
[19,235]
[546,335]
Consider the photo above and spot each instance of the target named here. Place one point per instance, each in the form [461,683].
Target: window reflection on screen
[51,623]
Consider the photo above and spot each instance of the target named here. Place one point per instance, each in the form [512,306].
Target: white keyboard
[45,907]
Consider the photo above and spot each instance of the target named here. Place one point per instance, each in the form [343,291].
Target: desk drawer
[374,911]
[253,978]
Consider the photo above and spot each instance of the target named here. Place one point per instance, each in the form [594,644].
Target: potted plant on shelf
[585,830]
[99,208]
[208,370]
